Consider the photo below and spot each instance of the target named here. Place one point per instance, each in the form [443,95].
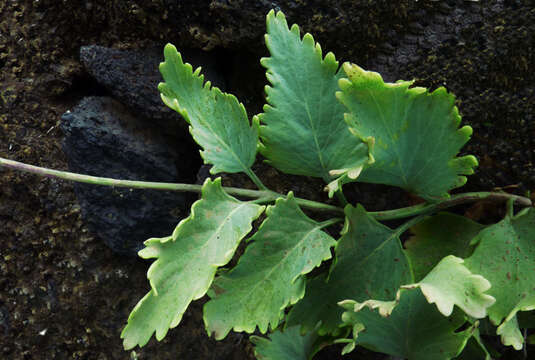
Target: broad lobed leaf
[417,325]
[186,261]
[369,264]
[451,283]
[218,122]
[505,255]
[287,345]
[437,237]
[303,129]
[413,329]
[415,132]
[269,275]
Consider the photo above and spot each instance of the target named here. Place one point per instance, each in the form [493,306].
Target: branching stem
[267,196]
[426,208]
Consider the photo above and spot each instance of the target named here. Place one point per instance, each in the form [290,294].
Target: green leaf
[416,133]
[269,275]
[218,122]
[438,236]
[509,330]
[510,333]
[451,283]
[369,264]
[416,325]
[505,256]
[287,345]
[304,132]
[475,349]
[186,261]
[414,329]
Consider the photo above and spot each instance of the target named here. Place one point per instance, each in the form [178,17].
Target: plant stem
[341,197]
[410,223]
[426,208]
[330,222]
[264,195]
[268,195]
[255,179]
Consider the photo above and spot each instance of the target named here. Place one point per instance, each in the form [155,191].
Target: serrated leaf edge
[463,165]
[151,252]
[385,308]
[175,59]
[263,328]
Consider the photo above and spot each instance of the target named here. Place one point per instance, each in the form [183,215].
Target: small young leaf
[451,283]
[187,261]
[218,122]
[269,275]
[438,236]
[509,330]
[416,133]
[510,333]
[369,264]
[505,256]
[303,129]
[414,329]
[287,345]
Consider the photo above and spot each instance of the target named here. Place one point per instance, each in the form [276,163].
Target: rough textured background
[58,280]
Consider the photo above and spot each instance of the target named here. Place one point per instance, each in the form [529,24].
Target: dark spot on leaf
[509,276]
[218,290]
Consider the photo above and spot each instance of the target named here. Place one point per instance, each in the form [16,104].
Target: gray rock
[102,138]
[132,78]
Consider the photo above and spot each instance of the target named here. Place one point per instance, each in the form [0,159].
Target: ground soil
[63,293]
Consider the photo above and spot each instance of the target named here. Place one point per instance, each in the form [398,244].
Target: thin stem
[341,197]
[410,223]
[264,195]
[314,205]
[255,179]
[426,208]
[267,196]
[330,222]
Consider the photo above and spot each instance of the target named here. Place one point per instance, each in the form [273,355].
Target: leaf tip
[170,50]
[343,84]
[466,131]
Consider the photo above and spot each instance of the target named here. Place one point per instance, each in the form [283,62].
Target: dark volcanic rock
[132,77]
[103,139]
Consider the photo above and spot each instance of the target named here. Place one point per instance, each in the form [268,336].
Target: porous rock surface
[102,138]
[132,77]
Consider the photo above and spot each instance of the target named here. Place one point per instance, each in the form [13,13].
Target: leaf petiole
[255,179]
